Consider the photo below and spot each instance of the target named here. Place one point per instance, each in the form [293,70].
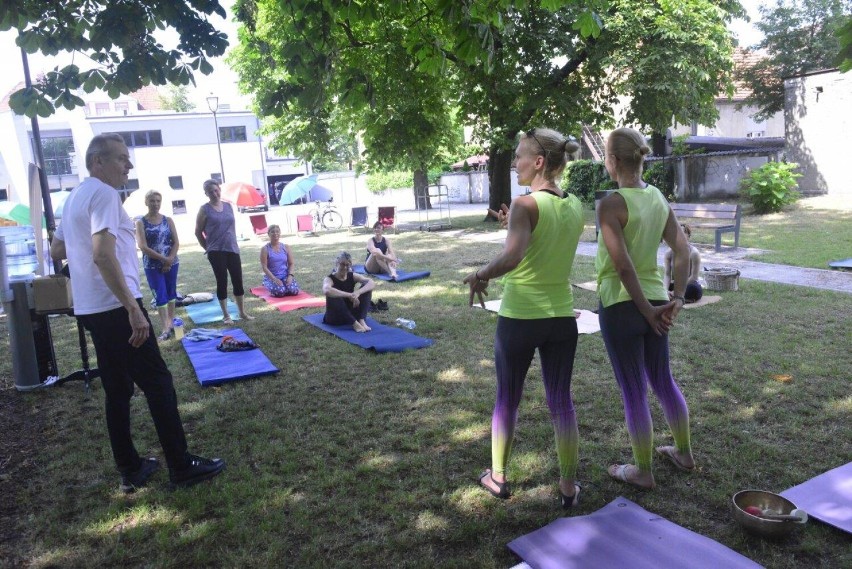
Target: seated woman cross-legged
[381,258]
[344,304]
[693,292]
[276,261]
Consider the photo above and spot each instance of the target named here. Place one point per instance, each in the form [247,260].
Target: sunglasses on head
[531,133]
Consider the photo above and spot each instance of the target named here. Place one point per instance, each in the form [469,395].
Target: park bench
[725,218]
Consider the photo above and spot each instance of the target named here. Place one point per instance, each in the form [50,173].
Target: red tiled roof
[148,98]
[743,59]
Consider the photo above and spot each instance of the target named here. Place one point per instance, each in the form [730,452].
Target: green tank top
[647,213]
[539,286]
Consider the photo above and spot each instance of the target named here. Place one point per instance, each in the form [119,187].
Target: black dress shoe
[198,470]
[137,479]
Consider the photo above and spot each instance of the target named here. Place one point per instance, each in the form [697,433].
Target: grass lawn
[351,459]
[798,236]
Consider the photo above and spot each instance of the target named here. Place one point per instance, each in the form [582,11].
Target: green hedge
[661,175]
[584,177]
[381,181]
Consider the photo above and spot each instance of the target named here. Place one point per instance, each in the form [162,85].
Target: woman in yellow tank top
[537,310]
[635,312]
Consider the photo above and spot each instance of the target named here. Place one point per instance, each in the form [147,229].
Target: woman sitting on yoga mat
[381,258]
[693,292]
[276,260]
[157,238]
[215,229]
[343,303]
[537,310]
[635,311]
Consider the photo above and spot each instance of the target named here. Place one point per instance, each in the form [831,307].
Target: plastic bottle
[177,326]
[405,323]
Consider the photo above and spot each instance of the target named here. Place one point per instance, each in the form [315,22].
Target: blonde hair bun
[571,147]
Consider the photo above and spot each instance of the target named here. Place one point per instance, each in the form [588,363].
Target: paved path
[827,279]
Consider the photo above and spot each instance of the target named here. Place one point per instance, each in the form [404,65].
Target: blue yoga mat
[213,367]
[400,274]
[381,338]
[841,264]
[206,312]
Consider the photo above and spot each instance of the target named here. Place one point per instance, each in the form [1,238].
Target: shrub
[661,175]
[584,177]
[771,187]
[381,181]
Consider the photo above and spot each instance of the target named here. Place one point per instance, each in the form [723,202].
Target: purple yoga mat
[827,497]
[621,535]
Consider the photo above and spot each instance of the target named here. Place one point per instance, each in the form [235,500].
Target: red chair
[305,223]
[259,224]
[387,216]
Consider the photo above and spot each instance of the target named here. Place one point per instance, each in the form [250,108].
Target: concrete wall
[473,187]
[819,120]
[706,176]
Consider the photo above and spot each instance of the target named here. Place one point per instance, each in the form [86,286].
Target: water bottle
[177,326]
[405,323]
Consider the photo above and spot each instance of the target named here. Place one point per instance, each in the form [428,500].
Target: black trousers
[339,311]
[225,263]
[121,366]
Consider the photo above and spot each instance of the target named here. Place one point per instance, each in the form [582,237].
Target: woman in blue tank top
[157,238]
[276,261]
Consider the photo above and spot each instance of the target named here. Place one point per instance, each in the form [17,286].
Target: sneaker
[382,305]
[135,480]
[198,470]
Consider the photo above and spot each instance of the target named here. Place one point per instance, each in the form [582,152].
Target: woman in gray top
[216,232]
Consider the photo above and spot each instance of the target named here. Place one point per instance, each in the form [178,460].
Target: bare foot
[632,475]
[227,320]
[245,316]
[363,324]
[357,327]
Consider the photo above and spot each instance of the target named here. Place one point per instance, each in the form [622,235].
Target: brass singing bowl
[765,501]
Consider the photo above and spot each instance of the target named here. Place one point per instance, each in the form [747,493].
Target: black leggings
[339,311]
[224,263]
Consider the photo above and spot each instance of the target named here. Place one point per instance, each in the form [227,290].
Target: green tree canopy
[118,38]
[799,36]
[176,98]
[394,69]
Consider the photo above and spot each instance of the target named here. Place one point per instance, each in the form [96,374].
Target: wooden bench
[726,218]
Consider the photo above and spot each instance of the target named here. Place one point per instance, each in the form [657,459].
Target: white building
[168,149]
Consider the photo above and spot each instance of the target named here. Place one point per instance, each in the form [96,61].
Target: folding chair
[259,224]
[387,215]
[359,218]
[305,223]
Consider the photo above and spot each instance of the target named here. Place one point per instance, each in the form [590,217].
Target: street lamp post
[213,104]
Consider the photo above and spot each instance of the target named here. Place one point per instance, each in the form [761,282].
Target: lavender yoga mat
[827,497]
[621,535]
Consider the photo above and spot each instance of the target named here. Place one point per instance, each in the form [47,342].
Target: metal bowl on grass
[765,501]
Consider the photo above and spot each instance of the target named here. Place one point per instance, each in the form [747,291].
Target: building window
[101,108]
[216,176]
[132,184]
[232,133]
[142,138]
[178,206]
[57,154]
[122,107]
[176,182]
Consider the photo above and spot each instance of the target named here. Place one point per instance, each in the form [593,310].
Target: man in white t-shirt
[99,240]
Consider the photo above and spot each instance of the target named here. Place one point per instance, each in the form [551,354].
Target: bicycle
[326,216]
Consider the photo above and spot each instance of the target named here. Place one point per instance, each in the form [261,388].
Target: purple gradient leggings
[640,357]
[514,347]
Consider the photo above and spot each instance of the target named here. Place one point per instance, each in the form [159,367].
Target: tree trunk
[499,179]
[421,189]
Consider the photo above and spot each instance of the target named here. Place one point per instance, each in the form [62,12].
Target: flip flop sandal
[165,335]
[569,502]
[620,474]
[667,452]
[503,488]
